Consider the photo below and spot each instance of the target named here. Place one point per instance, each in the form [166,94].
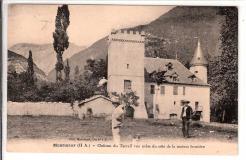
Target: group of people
[119,111]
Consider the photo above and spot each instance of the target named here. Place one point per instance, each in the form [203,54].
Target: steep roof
[198,58]
[185,76]
[93,98]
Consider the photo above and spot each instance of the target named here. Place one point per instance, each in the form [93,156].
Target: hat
[185,101]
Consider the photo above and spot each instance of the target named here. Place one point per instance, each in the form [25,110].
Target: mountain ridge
[176,31]
[18,64]
[43,54]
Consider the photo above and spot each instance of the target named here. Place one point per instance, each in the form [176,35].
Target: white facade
[199,64]
[126,65]
[169,103]
[100,107]
[200,71]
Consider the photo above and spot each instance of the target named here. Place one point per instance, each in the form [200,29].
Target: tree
[223,70]
[95,70]
[60,36]
[130,99]
[76,73]
[229,63]
[67,72]
[30,70]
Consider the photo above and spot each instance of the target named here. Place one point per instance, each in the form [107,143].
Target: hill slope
[18,63]
[173,33]
[97,51]
[179,29]
[44,55]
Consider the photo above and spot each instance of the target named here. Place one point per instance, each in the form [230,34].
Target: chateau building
[128,68]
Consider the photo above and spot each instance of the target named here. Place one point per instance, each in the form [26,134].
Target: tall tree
[67,72]
[61,38]
[30,70]
[223,70]
[229,62]
[76,73]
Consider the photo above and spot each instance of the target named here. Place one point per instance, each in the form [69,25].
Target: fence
[39,108]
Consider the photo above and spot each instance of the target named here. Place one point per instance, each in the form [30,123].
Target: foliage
[229,62]
[66,91]
[67,72]
[30,70]
[60,37]
[95,70]
[158,77]
[19,88]
[129,98]
[223,70]
[76,73]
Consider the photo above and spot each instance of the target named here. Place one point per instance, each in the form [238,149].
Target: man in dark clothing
[186,116]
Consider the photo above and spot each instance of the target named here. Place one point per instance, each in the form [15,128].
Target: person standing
[186,116]
[117,119]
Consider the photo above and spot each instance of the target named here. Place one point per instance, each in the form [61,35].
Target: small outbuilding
[95,106]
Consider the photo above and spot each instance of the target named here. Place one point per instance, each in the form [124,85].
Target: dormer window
[175,77]
[169,66]
[193,78]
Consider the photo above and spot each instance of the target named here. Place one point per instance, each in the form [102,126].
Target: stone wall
[39,108]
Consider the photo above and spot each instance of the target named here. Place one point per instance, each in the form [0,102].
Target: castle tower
[126,65]
[199,63]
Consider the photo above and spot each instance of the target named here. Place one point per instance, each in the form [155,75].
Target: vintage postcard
[140,79]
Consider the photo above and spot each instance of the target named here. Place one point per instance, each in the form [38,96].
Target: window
[89,112]
[175,79]
[169,66]
[183,90]
[193,77]
[127,66]
[196,106]
[162,89]
[152,89]
[127,85]
[175,90]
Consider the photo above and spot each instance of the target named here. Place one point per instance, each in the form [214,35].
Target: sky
[88,23]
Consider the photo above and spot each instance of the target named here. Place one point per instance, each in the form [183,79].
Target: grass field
[54,127]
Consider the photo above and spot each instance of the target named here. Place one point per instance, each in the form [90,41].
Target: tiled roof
[93,98]
[198,58]
[184,74]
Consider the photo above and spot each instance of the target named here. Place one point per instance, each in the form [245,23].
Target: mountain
[98,50]
[179,30]
[18,63]
[172,33]
[44,55]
